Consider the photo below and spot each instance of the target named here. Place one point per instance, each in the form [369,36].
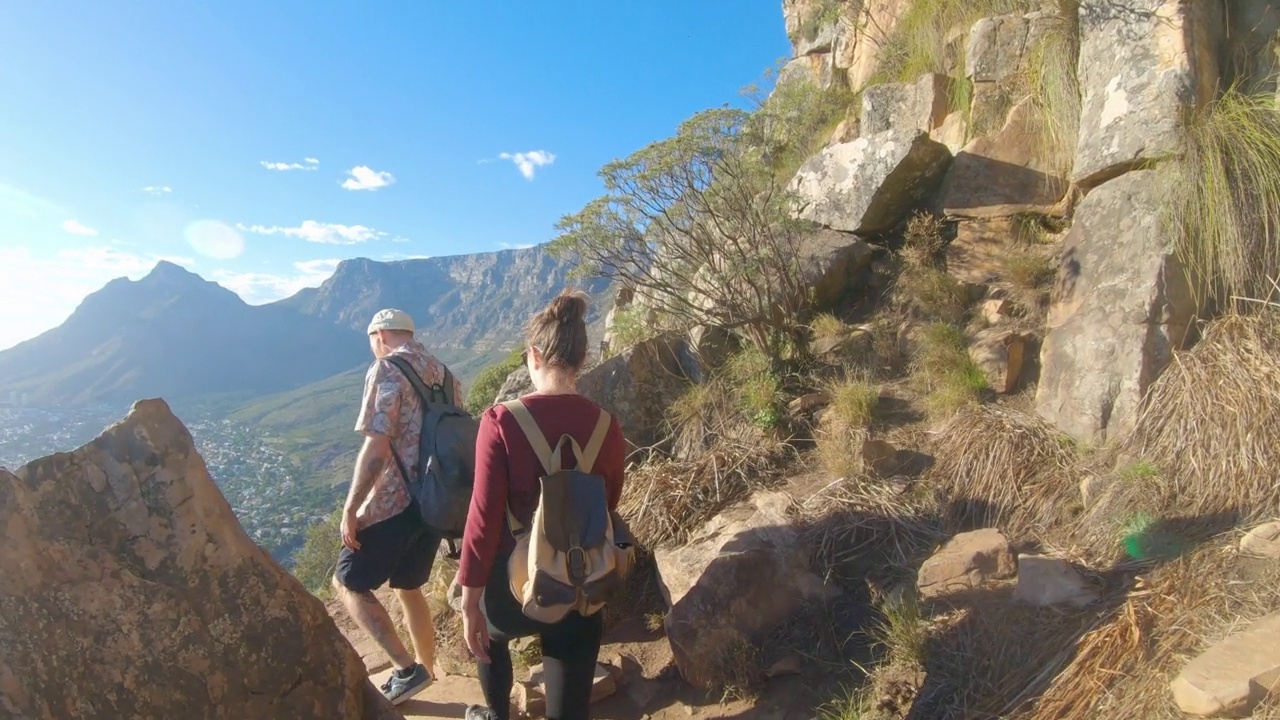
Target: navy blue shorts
[400,550]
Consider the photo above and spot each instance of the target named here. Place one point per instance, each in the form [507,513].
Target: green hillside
[313,425]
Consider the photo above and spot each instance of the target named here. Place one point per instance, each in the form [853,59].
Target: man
[384,539]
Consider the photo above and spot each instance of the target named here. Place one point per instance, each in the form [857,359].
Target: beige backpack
[577,553]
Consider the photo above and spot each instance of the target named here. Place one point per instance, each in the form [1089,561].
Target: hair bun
[569,307]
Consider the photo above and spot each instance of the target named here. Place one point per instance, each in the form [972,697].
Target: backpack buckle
[577,559]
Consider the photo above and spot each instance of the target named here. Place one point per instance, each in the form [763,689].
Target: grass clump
[827,327]
[791,123]
[1001,468]
[946,371]
[1210,422]
[1055,86]
[1223,200]
[1028,268]
[917,44]
[820,16]
[846,424]
[923,242]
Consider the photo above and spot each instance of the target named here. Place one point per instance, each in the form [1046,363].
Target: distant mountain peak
[166,269]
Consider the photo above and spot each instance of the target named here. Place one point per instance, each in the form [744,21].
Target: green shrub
[489,382]
[917,44]
[314,564]
[631,326]
[758,387]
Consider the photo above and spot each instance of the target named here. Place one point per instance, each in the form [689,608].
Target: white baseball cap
[391,319]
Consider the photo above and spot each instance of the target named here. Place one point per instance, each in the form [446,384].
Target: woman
[507,474]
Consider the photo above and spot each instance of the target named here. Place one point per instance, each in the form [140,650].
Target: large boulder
[1233,677]
[128,589]
[1002,354]
[1121,305]
[999,46]
[517,384]
[834,263]
[1142,63]
[1006,173]
[978,251]
[638,385]
[868,186]
[741,576]
[922,105]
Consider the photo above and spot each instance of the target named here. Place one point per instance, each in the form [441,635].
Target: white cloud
[311,161]
[157,190]
[366,178]
[38,293]
[515,246]
[214,239]
[393,257]
[77,228]
[290,166]
[529,162]
[259,288]
[318,232]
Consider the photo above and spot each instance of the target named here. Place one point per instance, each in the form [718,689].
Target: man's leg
[417,615]
[372,617]
[412,572]
[362,571]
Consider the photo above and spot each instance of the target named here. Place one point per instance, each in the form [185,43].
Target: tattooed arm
[375,453]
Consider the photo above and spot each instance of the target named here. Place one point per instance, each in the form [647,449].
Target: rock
[1051,581]
[1262,541]
[1002,355]
[1233,677]
[834,264]
[530,695]
[1006,173]
[130,590]
[712,345]
[1120,307]
[861,39]
[998,46]
[923,105]
[1252,27]
[638,385]
[1142,62]
[789,665]
[517,384]
[968,561]
[953,132]
[737,579]
[880,457]
[806,404]
[822,42]
[977,253]
[1091,487]
[817,69]
[996,310]
[869,185]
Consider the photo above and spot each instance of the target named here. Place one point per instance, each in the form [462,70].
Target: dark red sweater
[507,470]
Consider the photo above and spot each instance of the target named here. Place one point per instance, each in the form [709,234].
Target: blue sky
[258,143]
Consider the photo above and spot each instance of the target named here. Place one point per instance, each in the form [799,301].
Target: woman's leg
[496,678]
[570,649]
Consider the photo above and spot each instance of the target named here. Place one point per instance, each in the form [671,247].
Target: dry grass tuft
[1001,468]
[846,424]
[1123,667]
[1211,421]
[1029,268]
[922,242]
[827,327]
[931,295]
[665,501]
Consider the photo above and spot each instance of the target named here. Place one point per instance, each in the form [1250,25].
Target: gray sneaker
[479,712]
[398,689]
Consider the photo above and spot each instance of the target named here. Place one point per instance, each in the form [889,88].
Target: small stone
[1048,581]
[789,665]
[1090,489]
[879,456]
[1262,541]
[1233,677]
[996,311]
[808,403]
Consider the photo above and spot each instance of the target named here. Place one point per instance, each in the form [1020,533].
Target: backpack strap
[588,457]
[541,447]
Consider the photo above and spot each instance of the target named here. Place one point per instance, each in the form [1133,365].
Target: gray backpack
[442,480]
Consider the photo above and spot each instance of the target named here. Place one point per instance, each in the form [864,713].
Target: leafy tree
[701,227]
[489,382]
[314,564]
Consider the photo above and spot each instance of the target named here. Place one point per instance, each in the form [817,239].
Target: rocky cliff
[129,590]
[477,303]
[1001,116]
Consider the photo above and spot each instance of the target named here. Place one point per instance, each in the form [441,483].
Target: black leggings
[569,652]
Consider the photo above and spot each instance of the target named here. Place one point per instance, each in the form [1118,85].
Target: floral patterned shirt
[392,408]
